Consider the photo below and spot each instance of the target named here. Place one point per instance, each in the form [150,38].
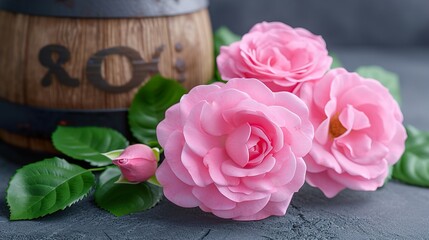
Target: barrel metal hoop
[41,122]
[104,8]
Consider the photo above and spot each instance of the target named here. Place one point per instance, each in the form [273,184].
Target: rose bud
[137,163]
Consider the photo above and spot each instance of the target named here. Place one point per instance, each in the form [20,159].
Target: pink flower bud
[137,163]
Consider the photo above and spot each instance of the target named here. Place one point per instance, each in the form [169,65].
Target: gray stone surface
[396,211]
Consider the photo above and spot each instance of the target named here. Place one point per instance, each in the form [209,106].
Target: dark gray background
[398,23]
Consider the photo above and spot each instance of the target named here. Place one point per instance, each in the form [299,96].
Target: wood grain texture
[22,37]
[194,41]
[13,44]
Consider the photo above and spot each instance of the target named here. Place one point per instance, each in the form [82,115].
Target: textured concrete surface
[396,211]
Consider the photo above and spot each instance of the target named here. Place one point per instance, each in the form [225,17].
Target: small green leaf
[45,187]
[222,37]
[154,181]
[413,167]
[149,106]
[88,143]
[336,63]
[113,154]
[123,199]
[157,153]
[389,79]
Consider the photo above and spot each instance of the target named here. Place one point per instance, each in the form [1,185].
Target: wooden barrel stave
[23,36]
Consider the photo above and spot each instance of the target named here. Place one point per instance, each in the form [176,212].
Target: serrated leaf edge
[10,180]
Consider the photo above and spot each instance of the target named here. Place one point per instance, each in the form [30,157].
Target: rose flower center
[336,129]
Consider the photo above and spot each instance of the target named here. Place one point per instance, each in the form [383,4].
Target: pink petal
[323,87]
[214,160]
[397,145]
[367,171]
[357,144]
[195,166]
[341,83]
[169,124]
[298,133]
[287,171]
[243,209]
[175,190]
[212,120]
[213,199]
[241,197]
[324,182]
[173,152]
[268,26]
[381,122]
[245,114]
[254,88]
[197,139]
[262,135]
[271,209]
[292,103]
[353,96]
[312,166]
[331,108]
[359,183]
[259,183]
[197,95]
[285,192]
[230,168]
[352,118]
[235,145]
[228,61]
[322,132]
[324,157]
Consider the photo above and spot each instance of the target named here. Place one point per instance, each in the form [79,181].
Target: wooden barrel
[80,62]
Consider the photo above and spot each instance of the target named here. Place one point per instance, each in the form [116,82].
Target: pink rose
[277,54]
[358,132]
[235,149]
[137,163]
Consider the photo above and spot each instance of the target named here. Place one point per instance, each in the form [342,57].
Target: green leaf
[336,63]
[389,79]
[122,199]
[88,143]
[413,167]
[45,187]
[222,37]
[149,106]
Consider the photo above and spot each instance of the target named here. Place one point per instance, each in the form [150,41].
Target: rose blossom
[277,54]
[235,149]
[358,132]
[137,163]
